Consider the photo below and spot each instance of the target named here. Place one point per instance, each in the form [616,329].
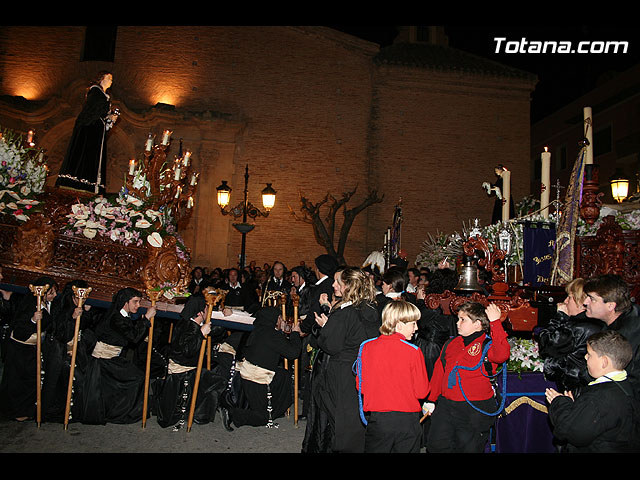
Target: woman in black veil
[57,349]
[18,386]
[85,164]
[172,395]
[113,387]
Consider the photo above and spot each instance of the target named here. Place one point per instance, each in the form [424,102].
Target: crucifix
[558,187]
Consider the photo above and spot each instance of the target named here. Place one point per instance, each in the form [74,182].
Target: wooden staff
[296,363]
[39,291]
[282,300]
[212,297]
[81,294]
[154,295]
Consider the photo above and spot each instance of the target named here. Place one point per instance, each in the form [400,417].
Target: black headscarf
[327,264]
[120,298]
[65,300]
[195,304]
[266,317]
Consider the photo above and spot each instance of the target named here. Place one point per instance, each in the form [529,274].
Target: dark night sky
[561,77]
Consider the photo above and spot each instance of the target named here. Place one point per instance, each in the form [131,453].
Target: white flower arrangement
[524,356]
[124,219]
[23,172]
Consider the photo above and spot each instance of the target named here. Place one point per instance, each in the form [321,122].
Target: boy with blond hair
[392,380]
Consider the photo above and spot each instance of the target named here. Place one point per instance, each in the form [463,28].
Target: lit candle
[30,137]
[178,191]
[194,178]
[545,180]
[132,166]
[506,193]
[177,171]
[190,202]
[149,145]
[588,134]
[165,137]
[185,160]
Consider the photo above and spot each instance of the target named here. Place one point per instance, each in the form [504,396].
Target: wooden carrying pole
[212,297]
[296,363]
[81,294]
[154,296]
[39,291]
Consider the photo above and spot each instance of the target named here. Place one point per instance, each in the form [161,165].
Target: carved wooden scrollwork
[164,266]
[489,259]
[33,243]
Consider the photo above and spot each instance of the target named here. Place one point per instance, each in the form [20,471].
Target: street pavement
[27,437]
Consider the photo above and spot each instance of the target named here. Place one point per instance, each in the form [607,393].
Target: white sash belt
[104,350]
[254,373]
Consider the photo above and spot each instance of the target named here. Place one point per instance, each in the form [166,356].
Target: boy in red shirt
[459,424]
[392,379]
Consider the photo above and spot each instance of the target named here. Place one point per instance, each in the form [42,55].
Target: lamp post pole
[245,209]
[244,217]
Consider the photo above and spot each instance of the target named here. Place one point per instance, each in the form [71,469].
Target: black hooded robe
[113,388]
[265,348]
[173,394]
[333,423]
[18,392]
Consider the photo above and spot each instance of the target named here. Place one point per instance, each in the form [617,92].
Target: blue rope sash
[454,377]
[357,370]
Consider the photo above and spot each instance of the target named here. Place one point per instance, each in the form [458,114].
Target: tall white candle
[165,137]
[185,159]
[545,180]
[506,194]
[178,191]
[132,166]
[588,133]
[149,145]
[177,171]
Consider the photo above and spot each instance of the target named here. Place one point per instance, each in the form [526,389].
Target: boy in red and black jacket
[458,424]
[392,379]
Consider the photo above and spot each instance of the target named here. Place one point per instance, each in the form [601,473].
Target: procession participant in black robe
[173,394]
[7,308]
[18,395]
[302,280]
[265,383]
[114,386]
[325,268]
[85,164]
[394,284]
[57,349]
[334,424]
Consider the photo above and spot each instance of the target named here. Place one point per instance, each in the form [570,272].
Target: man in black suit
[276,280]
[238,295]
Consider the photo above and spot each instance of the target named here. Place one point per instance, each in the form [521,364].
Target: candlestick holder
[170,187]
[591,196]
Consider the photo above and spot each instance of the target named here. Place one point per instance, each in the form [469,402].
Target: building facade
[308,109]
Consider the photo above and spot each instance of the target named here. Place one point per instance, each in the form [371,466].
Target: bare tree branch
[324,231]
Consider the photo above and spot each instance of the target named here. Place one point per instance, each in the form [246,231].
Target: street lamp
[245,208]
[619,186]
